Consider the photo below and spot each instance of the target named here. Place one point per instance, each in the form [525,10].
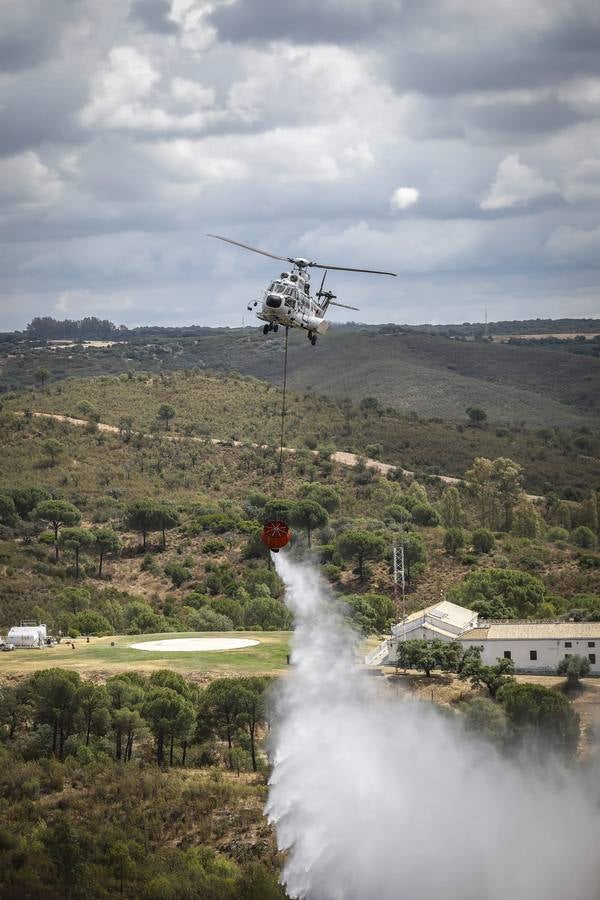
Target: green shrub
[588,560]
[332,572]
[178,573]
[584,537]
[454,540]
[483,540]
[574,667]
[207,619]
[556,533]
[374,451]
[469,560]
[425,514]
[325,552]
[531,562]
[499,593]
[527,521]
[149,564]
[216,522]
[214,546]
[540,713]
[196,600]
[397,513]
[267,614]
[88,621]
[501,561]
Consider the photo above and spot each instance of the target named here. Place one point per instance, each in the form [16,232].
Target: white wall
[550,651]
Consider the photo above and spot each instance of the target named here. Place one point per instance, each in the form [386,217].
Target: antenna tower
[400,609]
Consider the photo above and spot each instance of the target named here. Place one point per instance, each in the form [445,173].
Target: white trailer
[27,636]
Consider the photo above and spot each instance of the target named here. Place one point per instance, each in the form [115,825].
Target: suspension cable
[285,359]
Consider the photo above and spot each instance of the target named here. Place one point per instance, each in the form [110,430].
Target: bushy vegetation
[518,717]
[150,526]
[104,784]
[238,407]
[83,522]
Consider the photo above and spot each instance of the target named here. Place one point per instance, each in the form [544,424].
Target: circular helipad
[194,645]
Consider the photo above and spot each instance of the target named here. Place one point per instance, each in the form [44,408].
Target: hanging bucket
[275,535]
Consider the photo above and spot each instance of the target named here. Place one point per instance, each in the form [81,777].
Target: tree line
[516,716]
[43,328]
[55,713]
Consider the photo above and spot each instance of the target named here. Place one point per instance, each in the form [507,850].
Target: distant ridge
[92,328]
[428,374]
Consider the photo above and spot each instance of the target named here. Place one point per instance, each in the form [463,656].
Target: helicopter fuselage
[287,302]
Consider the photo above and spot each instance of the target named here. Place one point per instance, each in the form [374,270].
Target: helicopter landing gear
[266,328]
[312,338]
[275,326]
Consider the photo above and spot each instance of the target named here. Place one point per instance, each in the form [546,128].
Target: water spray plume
[376,797]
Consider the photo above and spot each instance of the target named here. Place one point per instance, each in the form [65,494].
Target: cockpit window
[276,287]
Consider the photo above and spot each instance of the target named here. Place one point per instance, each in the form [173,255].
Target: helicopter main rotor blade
[348,269]
[345,305]
[301,263]
[220,237]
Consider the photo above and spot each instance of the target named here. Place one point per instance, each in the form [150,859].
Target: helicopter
[287,300]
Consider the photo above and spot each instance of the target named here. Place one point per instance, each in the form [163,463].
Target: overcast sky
[456,142]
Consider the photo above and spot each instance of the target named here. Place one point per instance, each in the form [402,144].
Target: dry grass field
[105,656]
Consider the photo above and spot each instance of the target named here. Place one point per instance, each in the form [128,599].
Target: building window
[568,644]
[591,643]
[507,654]
[592,658]
[533,654]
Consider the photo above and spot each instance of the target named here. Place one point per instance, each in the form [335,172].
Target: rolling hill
[430,375]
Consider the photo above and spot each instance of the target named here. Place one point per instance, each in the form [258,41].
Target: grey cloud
[506,118]
[336,21]
[30,31]
[432,47]
[486,65]
[154,14]
[312,167]
[36,110]
[496,47]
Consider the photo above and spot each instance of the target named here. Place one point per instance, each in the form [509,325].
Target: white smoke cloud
[375,797]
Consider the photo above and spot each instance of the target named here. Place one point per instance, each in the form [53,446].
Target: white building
[443,621]
[536,646]
[532,646]
[27,636]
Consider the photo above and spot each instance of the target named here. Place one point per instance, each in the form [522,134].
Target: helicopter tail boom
[345,305]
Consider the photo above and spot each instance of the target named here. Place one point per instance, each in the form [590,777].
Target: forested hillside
[131,507]
[430,375]
[243,409]
[167,479]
